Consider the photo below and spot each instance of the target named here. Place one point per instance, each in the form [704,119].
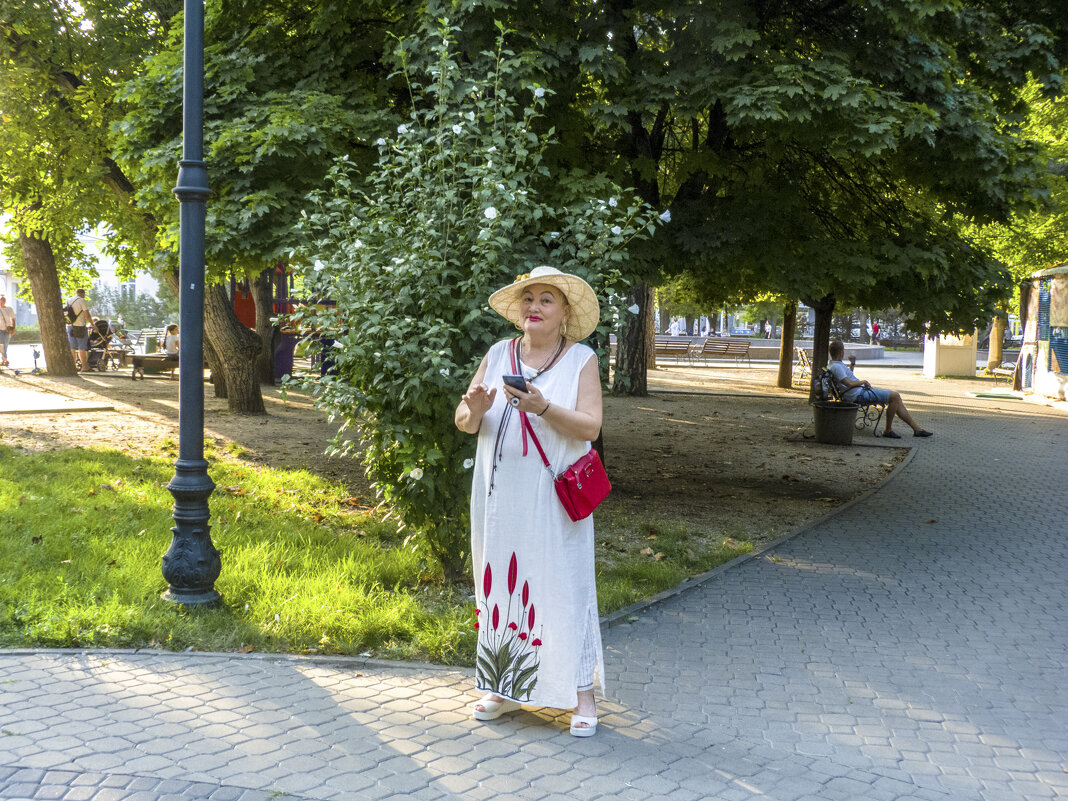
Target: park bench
[1007,370]
[677,348]
[804,363]
[724,347]
[153,364]
[145,334]
[870,411]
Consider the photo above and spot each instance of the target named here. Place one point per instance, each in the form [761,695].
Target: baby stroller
[106,348]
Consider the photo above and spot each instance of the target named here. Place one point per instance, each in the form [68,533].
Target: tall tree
[59,66]
[1038,237]
[817,151]
[291,87]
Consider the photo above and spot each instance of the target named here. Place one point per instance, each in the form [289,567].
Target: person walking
[539,637]
[7,329]
[78,330]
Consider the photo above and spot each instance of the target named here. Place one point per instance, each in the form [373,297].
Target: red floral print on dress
[507,659]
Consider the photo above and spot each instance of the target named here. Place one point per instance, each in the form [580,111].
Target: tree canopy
[289,88]
[61,65]
[810,149]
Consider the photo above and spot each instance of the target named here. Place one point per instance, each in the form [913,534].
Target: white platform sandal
[493,709]
[577,730]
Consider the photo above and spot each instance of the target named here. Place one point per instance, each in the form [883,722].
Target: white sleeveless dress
[539,636]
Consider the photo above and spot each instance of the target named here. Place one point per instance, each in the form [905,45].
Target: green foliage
[457,205]
[810,150]
[1037,238]
[60,65]
[289,88]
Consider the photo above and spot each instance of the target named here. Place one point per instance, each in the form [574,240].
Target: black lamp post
[192,564]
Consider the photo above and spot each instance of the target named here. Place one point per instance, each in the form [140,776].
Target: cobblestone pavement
[912,646]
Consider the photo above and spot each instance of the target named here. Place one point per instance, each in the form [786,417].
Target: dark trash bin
[835,421]
[283,355]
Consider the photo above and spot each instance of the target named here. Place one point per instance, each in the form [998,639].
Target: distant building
[26,312]
[1043,365]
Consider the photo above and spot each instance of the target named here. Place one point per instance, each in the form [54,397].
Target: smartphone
[516,382]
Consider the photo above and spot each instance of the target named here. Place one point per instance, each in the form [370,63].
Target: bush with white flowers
[407,257]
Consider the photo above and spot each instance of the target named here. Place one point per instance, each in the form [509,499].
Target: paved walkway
[913,646]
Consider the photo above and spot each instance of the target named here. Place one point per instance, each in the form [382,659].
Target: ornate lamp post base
[192,563]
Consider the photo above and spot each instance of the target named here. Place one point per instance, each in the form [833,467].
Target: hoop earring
[518,325]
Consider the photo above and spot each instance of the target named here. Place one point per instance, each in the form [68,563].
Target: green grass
[640,558]
[306,569]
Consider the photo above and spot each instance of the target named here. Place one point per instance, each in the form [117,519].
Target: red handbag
[581,487]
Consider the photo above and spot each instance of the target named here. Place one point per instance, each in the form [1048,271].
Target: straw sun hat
[584,308]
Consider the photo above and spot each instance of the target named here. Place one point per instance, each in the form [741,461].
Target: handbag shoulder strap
[524,420]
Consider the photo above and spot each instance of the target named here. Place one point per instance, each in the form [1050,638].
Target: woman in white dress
[539,638]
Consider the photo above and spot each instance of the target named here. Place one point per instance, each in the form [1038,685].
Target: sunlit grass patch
[305,567]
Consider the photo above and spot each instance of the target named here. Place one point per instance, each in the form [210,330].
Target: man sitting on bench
[853,389]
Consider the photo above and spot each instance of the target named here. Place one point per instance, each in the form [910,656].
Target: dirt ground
[719,450]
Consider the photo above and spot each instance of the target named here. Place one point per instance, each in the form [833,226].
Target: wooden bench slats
[718,347]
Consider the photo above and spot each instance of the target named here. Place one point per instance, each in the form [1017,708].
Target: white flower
[416,474]
[471,116]
[402,129]
[358,244]
[616,230]
[612,202]
[456,129]
[539,92]
[483,234]
[666,216]
[633,309]
[468,464]
[444,372]
[318,265]
[490,213]
[277,618]
[380,141]
[398,260]
[492,149]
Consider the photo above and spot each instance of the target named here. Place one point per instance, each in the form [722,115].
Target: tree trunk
[265,329]
[632,348]
[215,364]
[821,335]
[997,342]
[1025,298]
[650,329]
[786,346]
[218,380]
[237,348]
[40,264]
